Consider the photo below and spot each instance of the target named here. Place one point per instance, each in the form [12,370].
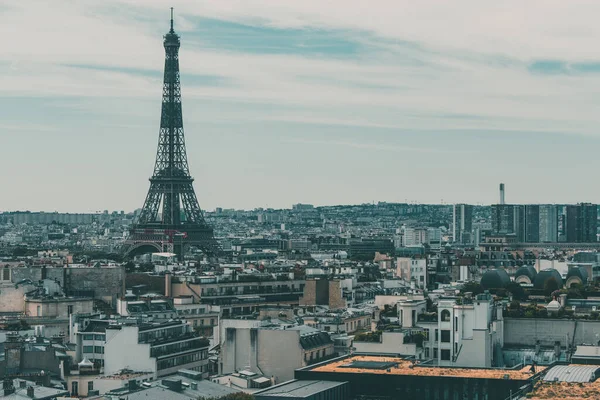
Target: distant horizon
[290,207]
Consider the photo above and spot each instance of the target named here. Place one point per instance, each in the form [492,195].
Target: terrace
[401,366]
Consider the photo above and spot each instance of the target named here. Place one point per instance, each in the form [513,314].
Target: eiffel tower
[179,223]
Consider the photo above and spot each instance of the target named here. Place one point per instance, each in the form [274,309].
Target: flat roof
[565,391]
[360,364]
[297,388]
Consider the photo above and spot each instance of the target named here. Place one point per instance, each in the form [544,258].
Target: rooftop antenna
[172,20]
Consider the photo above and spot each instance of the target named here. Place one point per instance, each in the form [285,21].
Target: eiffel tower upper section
[171,206]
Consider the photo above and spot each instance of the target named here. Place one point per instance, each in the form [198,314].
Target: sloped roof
[572,373]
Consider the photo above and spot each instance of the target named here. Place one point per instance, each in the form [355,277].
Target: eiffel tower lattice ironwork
[180,221]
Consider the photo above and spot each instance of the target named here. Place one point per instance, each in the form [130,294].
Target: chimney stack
[502,193]
[167,284]
[31,392]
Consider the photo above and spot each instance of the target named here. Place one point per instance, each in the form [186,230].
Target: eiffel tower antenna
[171,218]
[172,30]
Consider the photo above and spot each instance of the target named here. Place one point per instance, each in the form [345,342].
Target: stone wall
[526,331]
[316,292]
[13,299]
[107,283]
[336,301]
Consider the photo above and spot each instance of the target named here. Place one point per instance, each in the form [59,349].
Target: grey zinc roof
[572,373]
[587,351]
[206,389]
[297,389]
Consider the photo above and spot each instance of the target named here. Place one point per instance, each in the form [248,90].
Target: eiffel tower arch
[171,219]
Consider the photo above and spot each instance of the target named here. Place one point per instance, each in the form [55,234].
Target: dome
[85,363]
[577,275]
[525,274]
[495,279]
[544,276]
[553,306]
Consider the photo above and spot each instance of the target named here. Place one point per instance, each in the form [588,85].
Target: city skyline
[367,101]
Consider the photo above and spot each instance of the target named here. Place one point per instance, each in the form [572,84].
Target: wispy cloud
[375,146]
[256,70]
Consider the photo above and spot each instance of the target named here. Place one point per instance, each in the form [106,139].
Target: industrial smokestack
[502,193]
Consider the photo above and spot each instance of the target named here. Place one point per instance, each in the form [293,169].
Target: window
[435,352]
[426,335]
[212,321]
[75,389]
[426,352]
[195,322]
[69,310]
[445,355]
[98,349]
[6,274]
[39,311]
[437,334]
[445,316]
[455,324]
[455,348]
[99,337]
[88,337]
[88,349]
[90,385]
[445,336]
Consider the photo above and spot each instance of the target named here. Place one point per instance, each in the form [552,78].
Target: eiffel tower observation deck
[171,219]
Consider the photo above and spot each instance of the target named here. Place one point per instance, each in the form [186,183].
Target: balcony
[427,317]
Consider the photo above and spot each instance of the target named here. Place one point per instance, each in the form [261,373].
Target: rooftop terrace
[400,366]
[565,391]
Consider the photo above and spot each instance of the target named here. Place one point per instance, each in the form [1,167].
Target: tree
[576,291]
[517,291]
[473,287]
[550,286]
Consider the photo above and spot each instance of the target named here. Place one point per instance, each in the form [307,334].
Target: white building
[158,348]
[413,270]
[462,223]
[470,334]
[414,236]
[274,349]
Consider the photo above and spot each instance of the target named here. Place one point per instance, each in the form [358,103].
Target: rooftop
[298,389]
[400,366]
[565,391]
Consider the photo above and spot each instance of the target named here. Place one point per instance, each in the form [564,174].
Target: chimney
[31,392]
[167,284]
[502,193]
[7,385]
[562,299]
[194,386]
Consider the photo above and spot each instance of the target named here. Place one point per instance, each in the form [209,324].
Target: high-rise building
[509,219]
[572,219]
[462,223]
[546,223]
[532,223]
[548,219]
[587,223]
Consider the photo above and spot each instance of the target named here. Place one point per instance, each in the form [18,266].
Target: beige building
[273,349]
[60,308]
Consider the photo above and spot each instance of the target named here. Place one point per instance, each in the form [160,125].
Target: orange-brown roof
[405,367]
[565,391]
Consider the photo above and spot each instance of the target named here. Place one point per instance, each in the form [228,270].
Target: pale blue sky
[302,101]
